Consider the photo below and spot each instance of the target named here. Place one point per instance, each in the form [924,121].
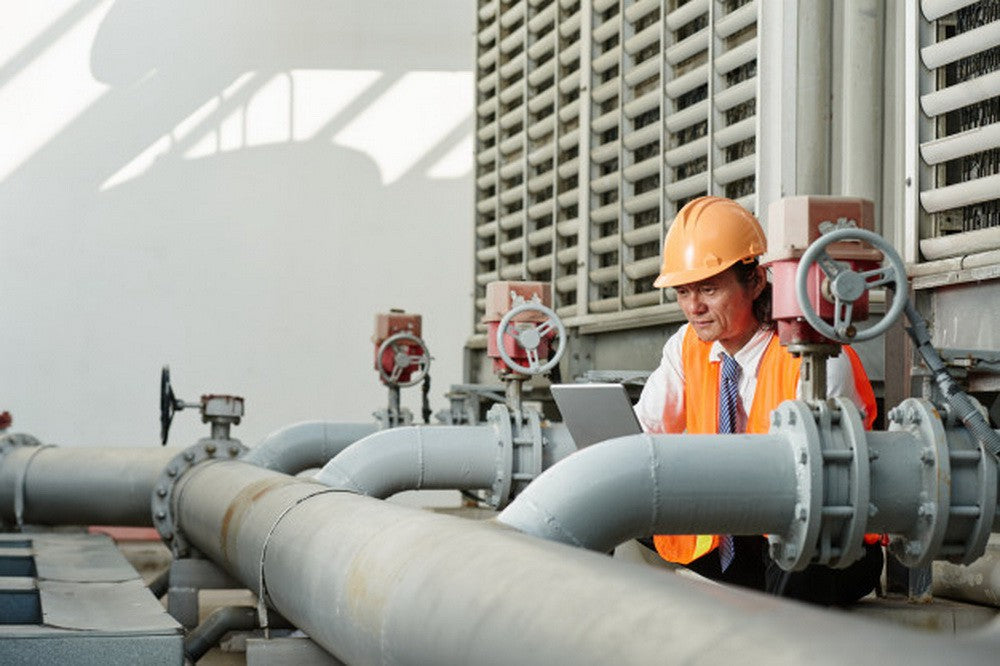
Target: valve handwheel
[403,360]
[529,337]
[847,285]
[169,404]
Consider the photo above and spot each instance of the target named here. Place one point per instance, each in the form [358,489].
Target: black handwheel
[168,404]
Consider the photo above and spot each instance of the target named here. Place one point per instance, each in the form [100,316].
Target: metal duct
[376,583]
[80,485]
[416,458]
[302,446]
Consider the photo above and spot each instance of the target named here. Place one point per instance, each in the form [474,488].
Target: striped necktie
[729,393]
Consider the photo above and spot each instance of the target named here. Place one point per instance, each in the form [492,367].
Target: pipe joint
[519,455]
[832,474]
[162,498]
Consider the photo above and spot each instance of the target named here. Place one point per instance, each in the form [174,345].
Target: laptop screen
[595,412]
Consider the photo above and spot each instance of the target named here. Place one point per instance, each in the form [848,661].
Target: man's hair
[746,274]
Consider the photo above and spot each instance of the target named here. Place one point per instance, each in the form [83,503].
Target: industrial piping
[80,485]
[416,458]
[306,445]
[445,458]
[376,583]
[931,487]
[639,485]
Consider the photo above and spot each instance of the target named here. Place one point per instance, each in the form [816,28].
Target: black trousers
[753,568]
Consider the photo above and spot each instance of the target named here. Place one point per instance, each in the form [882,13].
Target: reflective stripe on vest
[777,381]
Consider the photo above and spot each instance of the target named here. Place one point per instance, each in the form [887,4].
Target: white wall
[234,188]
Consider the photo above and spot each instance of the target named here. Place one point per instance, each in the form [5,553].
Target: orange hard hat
[708,235]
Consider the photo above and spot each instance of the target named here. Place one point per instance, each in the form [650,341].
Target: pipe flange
[795,549]
[527,453]
[161,501]
[918,547]
[973,495]
[499,493]
[847,487]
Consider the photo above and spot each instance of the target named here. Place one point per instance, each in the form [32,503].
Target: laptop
[595,412]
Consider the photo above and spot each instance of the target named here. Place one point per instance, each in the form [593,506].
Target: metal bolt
[801,512]
[791,418]
[210,449]
[927,456]
[189,456]
[775,551]
[234,450]
[803,458]
[161,492]
[872,510]
[927,510]
[160,515]
[168,536]
[171,471]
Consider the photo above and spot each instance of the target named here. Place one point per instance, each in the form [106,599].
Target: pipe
[667,484]
[81,485]
[305,445]
[159,585]
[377,583]
[416,458]
[977,583]
[207,635]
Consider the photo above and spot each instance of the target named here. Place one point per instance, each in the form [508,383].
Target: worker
[724,371]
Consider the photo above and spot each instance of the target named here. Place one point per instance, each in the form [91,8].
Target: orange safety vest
[777,381]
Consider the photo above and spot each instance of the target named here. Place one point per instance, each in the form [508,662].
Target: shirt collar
[750,354]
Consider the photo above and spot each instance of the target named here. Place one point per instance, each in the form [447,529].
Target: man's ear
[759,280]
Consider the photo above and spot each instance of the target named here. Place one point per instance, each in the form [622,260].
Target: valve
[402,359]
[844,285]
[529,337]
[221,411]
[521,327]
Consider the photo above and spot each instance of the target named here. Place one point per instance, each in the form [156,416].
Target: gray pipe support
[302,446]
[661,484]
[377,583]
[415,458]
[81,485]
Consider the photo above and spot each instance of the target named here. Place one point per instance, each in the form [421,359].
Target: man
[724,372]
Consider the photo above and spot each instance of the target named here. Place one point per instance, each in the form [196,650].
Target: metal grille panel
[596,121]
[961,97]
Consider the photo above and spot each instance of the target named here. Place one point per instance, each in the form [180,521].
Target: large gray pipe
[700,484]
[306,445]
[376,583]
[416,458]
[81,485]
[665,484]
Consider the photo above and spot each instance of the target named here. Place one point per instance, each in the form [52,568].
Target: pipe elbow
[304,445]
[595,498]
[415,458]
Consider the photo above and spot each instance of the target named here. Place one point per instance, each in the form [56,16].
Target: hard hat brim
[678,278]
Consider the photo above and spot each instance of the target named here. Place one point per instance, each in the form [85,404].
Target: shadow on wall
[248,183]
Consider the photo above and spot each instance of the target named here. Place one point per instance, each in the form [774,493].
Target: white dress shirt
[661,406]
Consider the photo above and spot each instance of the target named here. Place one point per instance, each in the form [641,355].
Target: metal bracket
[161,501]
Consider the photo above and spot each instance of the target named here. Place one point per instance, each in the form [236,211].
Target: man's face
[721,308]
